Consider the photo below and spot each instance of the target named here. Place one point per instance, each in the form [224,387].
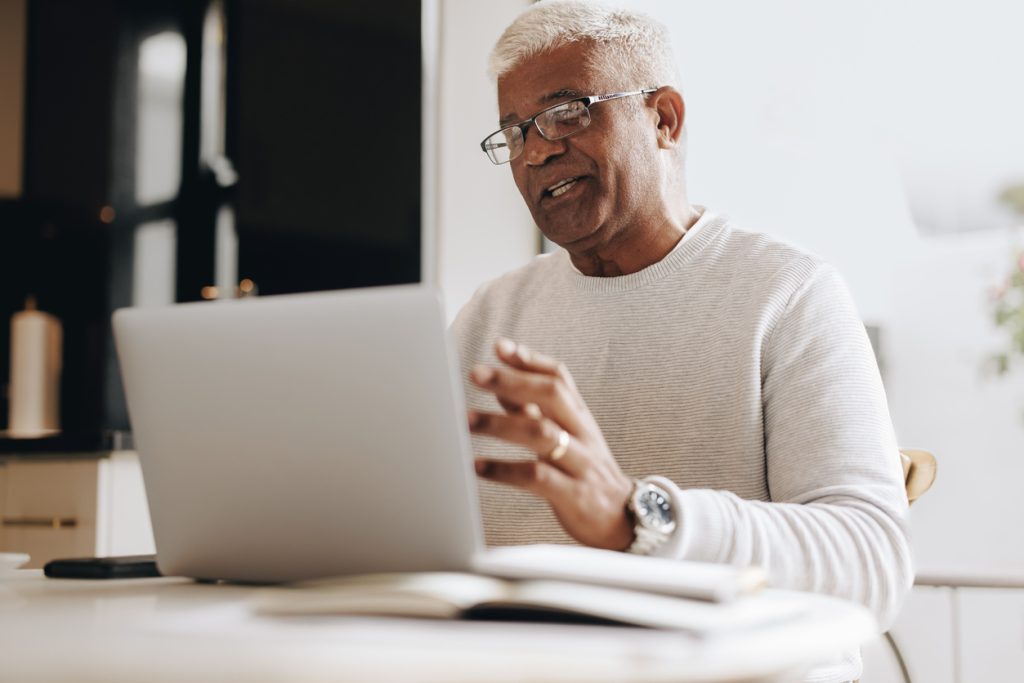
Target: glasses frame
[524,125]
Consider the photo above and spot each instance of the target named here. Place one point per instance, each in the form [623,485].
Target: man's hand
[582,482]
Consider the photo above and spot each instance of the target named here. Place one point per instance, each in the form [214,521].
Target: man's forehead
[545,79]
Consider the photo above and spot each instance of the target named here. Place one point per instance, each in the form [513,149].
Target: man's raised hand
[574,470]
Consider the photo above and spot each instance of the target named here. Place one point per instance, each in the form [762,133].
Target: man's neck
[640,250]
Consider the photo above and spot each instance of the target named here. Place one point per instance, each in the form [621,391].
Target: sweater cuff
[700,532]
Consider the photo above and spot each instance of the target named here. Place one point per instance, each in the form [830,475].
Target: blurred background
[182,150]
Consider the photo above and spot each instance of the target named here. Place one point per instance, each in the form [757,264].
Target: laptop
[289,437]
[296,437]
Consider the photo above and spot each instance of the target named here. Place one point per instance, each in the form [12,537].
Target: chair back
[918,472]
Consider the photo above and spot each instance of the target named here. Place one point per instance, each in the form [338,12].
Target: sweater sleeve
[836,523]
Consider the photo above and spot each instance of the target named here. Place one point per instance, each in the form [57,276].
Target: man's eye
[570,113]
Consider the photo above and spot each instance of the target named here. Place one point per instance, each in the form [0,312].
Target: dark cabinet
[173,146]
[324,128]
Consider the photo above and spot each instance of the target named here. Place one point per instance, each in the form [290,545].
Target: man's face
[613,161]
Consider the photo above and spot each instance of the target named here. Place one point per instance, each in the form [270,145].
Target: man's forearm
[840,543]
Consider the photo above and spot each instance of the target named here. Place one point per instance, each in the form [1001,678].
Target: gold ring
[559,450]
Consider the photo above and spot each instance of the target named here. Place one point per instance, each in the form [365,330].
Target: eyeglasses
[554,123]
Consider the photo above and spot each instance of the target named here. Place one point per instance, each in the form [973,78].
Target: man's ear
[668,105]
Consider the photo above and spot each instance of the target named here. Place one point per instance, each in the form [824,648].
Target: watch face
[654,507]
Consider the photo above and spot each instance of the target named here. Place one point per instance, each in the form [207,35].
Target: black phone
[123,567]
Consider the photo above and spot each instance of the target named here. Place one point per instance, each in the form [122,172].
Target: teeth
[560,183]
[562,187]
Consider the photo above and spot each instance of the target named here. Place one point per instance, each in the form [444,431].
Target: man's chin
[570,237]
[570,227]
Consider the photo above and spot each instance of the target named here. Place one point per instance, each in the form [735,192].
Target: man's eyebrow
[550,98]
[562,94]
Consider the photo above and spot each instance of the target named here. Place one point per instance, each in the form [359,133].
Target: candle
[36,340]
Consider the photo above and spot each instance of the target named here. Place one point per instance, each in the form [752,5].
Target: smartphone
[123,567]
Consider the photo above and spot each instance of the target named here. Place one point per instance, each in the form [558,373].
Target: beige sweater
[738,368]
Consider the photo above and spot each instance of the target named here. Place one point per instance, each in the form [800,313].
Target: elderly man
[666,383]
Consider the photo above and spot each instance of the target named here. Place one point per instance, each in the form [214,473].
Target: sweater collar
[702,233]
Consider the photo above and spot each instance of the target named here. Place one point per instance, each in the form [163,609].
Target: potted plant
[1008,297]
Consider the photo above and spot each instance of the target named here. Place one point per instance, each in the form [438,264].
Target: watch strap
[646,541]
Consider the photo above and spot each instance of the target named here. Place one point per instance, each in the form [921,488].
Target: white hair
[629,41]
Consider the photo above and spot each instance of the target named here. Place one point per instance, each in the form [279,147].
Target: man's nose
[537,149]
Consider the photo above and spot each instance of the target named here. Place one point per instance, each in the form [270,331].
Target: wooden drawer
[75,507]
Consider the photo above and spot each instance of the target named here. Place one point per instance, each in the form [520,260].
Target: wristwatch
[653,515]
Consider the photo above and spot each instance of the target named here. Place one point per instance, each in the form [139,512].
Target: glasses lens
[564,120]
[504,145]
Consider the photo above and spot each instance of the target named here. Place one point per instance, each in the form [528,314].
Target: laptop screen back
[301,436]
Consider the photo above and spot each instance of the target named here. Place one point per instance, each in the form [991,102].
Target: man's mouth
[561,187]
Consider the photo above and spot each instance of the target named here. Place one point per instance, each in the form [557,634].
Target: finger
[510,407]
[556,400]
[529,410]
[536,476]
[542,436]
[521,357]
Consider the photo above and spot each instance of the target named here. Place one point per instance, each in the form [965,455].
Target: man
[667,383]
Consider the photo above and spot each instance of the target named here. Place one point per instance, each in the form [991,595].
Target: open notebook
[717,598]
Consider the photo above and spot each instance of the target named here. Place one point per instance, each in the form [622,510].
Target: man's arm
[837,520]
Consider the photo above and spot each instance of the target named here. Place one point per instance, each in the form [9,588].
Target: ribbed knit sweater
[738,368]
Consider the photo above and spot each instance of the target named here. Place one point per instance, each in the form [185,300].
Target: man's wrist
[627,528]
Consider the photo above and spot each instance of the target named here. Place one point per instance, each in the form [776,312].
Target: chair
[919,468]
[918,472]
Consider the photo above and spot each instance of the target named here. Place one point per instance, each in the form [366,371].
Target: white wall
[12,94]
[940,398]
[483,226]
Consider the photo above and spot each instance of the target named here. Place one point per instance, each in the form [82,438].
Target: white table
[175,630]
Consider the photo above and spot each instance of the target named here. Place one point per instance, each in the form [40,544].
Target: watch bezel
[650,520]
[655,501]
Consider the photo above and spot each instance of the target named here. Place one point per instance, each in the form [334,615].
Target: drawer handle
[47,522]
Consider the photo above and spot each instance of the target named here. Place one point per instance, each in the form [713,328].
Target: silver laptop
[292,437]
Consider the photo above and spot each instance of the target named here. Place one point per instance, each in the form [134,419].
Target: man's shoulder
[765,247]
[763,258]
[505,293]
[538,272]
